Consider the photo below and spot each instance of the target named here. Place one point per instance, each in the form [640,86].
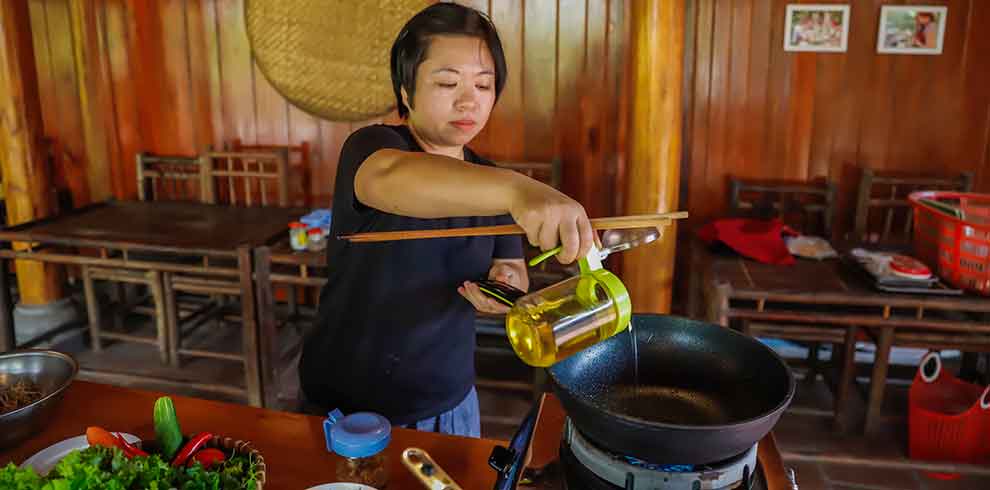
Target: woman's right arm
[424,185]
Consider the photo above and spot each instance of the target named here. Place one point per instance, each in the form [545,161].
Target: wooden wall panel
[177,76]
[130,140]
[62,102]
[758,111]
[539,83]
[95,97]
[236,74]
[507,120]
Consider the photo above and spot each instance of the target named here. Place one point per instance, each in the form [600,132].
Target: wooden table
[292,444]
[813,296]
[117,230]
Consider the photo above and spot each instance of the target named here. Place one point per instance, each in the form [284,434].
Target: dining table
[836,301]
[293,444]
[146,235]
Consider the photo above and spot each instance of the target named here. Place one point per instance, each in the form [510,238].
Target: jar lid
[315,231]
[296,224]
[357,435]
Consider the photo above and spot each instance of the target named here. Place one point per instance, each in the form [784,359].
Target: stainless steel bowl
[52,372]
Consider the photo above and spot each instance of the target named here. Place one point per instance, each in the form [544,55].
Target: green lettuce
[108,468]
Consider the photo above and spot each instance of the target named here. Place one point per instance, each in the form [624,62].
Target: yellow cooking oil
[550,325]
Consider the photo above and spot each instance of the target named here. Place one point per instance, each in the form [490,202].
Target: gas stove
[549,453]
[585,466]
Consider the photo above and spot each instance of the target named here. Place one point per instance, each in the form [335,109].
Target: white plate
[341,486]
[43,461]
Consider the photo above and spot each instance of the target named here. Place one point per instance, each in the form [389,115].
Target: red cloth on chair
[760,240]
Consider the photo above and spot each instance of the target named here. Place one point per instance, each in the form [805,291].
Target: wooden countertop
[292,444]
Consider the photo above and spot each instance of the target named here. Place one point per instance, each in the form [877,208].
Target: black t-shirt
[392,333]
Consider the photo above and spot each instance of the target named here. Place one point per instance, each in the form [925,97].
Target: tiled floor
[805,433]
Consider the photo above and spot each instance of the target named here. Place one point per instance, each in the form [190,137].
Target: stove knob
[501,458]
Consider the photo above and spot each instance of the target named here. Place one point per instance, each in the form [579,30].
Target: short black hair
[410,46]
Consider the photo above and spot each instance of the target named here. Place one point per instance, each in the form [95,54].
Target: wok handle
[510,462]
[427,471]
[792,478]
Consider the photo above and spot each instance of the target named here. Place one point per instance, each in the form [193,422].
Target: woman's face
[455,92]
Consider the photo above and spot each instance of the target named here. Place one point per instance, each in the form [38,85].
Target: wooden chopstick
[613,223]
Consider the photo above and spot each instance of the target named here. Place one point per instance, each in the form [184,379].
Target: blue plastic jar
[360,438]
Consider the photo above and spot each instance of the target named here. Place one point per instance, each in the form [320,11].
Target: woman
[925,30]
[395,328]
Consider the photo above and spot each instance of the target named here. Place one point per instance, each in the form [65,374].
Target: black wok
[706,393]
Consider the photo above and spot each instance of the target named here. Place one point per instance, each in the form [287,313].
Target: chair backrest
[300,168]
[548,173]
[883,213]
[806,206]
[168,178]
[245,178]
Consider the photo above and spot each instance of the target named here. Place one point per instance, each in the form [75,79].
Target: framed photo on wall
[911,29]
[816,27]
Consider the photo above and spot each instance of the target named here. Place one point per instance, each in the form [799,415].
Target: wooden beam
[26,176]
[656,77]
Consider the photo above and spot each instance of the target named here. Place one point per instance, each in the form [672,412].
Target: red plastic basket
[948,419]
[958,247]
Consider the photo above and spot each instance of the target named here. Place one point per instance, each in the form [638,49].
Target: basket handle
[931,362]
[985,399]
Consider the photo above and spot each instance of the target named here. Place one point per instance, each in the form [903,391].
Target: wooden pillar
[26,176]
[654,143]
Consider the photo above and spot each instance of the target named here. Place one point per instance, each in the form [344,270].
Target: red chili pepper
[191,447]
[208,457]
[129,449]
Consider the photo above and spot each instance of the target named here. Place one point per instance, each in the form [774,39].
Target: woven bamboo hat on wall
[329,57]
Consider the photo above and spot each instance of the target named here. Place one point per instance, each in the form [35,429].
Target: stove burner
[683,468]
[588,467]
[669,468]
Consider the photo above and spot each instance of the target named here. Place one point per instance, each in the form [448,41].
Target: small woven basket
[236,446]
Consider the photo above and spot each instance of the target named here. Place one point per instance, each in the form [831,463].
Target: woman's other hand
[481,301]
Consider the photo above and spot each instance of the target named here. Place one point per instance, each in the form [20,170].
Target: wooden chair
[257,178]
[161,178]
[883,214]
[807,207]
[168,178]
[884,217]
[282,330]
[299,168]
[245,178]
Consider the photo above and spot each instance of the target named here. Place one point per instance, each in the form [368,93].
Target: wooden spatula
[613,223]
